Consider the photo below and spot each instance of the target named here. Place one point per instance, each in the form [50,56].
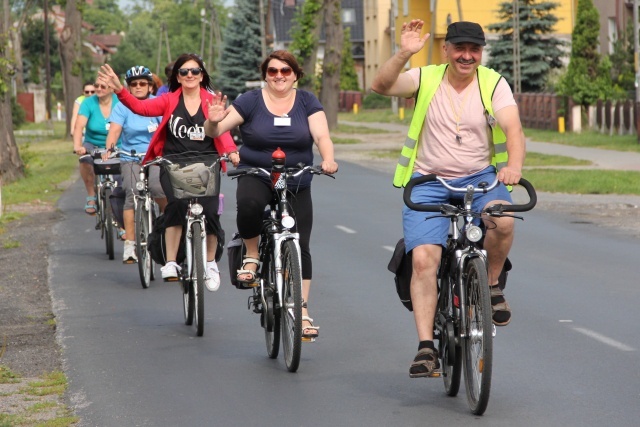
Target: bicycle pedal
[130,261]
[171,279]
[307,339]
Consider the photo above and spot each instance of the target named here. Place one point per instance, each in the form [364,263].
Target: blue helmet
[138,72]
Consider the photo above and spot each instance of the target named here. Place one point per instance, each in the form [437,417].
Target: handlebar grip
[409,188]
[533,199]
[236,172]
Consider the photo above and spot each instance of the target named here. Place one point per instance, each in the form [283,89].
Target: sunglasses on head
[194,71]
[285,71]
[140,83]
[99,86]
[89,92]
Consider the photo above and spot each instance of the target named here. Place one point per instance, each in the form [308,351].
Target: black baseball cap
[465,32]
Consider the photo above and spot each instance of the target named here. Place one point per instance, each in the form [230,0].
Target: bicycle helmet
[138,72]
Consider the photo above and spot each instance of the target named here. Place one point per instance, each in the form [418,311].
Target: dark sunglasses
[194,71]
[141,84]
[99,86]
[285,71]
[89,92]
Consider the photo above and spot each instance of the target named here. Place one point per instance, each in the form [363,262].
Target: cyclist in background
[465,128]
[136,132]
[88,90]
[93,116]
[167,72]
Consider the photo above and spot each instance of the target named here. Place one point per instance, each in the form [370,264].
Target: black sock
[426,344]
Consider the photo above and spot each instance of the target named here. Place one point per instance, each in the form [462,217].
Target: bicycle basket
[106,167]
[194,179]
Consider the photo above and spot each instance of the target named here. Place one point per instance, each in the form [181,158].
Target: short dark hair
[173,80]
[286,57]
[168,69]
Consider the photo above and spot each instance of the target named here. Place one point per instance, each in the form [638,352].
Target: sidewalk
[601,159]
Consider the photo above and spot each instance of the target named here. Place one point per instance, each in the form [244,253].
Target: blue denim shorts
[420,231]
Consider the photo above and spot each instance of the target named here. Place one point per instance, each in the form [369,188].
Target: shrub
[17,113]
[376,101]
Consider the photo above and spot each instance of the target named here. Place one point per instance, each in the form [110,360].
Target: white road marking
[389,248]
[345,229]
[565,321]
[605,340]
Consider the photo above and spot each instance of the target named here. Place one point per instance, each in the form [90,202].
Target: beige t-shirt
[454,141]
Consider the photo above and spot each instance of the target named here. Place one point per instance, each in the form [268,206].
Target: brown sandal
[501,308]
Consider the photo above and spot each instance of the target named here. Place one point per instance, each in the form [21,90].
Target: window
[348,16]
[613,33]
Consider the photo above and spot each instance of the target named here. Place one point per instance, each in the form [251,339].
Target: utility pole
[47,61]
[636,52]
[263,31]
[202,14]
[517,88]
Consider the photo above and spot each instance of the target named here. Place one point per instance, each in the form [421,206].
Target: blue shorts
[419,231]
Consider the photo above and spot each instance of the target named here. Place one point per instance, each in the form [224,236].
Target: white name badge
[282,121]
[152,127]
[197,135]
[107,126]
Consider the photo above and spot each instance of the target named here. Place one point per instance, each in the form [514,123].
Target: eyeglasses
[194,71]
[141,84]
[89,92]
[99,86]
[285,71]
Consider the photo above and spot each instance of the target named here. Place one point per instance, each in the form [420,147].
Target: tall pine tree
[588,77]
[539,53]
[241,51]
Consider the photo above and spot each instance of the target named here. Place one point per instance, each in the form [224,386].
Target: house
[614,18]
[281,17]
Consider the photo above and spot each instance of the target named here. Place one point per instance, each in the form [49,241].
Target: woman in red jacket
[184,111]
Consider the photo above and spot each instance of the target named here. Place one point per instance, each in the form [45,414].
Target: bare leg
[212,245]
[251,246]
[424,288]
[172,239]
[129,224]
[86,173]
[497,241]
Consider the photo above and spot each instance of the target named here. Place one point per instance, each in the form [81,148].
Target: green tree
[539,53]
[588,76]
[622,68]
[105,16]
[241,51]
[348,76]
[33,51]
[305,32]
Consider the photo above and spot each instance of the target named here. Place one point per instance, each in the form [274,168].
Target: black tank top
[186,132]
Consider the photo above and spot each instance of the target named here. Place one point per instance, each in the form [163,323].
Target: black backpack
[400,266]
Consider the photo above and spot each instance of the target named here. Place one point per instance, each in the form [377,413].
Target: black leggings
[253,195]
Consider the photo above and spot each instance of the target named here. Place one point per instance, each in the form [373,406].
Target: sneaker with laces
[170,271]
[129,255]
[212,282]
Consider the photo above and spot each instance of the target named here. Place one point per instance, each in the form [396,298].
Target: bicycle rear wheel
[291,310]
[198,277]
[450,351]
[145,263]
[270,315]
[109,231]
[188,300]
[477,344]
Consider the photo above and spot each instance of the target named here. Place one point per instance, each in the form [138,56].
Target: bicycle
[192,178]
[146,211]
[104,184]
[278,297]
[463,323]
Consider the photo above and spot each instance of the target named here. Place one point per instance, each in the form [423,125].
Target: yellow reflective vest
[430,78]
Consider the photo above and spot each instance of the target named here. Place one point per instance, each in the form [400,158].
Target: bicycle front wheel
[145,263]
[477,343]
[291,317]
[109,230]
[270,316]
[198,277]
[450,352]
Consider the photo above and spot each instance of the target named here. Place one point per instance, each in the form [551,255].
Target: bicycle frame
[191,219]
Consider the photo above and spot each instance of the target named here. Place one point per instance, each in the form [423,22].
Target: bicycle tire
[450,351]
[198,277]
[477,344]
[108,224]
[291,310]
[188,300]
[270,314]
[145,263]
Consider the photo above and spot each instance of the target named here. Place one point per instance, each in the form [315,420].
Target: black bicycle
[104,184]
[463,323]
[278,297]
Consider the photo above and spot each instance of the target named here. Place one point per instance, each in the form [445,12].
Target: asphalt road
[569,357]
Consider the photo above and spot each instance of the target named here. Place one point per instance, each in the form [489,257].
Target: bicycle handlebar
[499,208]
[289,172]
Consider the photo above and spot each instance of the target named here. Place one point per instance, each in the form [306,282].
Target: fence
[540,110]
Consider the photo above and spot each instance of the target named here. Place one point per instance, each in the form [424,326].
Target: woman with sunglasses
[136,132]
[93,116]
[184,111]
[275,116]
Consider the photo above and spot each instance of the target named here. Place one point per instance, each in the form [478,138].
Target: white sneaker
[212,282]
[129,255]
[170,271]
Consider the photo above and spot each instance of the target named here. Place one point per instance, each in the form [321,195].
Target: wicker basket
[106,167]
[194,179]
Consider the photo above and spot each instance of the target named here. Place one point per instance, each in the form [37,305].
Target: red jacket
[164,106]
